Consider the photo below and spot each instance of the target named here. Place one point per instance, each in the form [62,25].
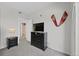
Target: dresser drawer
[38,40]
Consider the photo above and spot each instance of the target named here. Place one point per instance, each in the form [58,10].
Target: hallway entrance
[23,30]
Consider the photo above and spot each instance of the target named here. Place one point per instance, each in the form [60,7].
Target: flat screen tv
[38,26]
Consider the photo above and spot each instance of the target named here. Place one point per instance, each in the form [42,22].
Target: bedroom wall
[0,27]
[59,38]
[77,29]
[73,36]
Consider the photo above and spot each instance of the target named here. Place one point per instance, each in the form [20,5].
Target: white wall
[59,38]
[73,31]
[0,28]
[77,30]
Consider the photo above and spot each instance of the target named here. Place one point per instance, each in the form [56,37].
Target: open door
[23,30]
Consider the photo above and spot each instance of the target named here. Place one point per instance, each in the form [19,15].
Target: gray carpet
[25,49]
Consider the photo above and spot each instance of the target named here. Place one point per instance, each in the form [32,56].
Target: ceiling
[25,7]
[29,8]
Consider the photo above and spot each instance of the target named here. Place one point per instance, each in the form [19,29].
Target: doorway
[23,30]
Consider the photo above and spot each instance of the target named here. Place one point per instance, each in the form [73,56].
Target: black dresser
[12,41]
[39,40]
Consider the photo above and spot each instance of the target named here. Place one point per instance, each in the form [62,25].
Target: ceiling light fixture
[20,12]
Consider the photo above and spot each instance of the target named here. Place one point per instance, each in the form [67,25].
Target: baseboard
[60,52]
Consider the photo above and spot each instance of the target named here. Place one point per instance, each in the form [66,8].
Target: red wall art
[63,19]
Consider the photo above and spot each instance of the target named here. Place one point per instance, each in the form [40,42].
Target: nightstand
[12,41]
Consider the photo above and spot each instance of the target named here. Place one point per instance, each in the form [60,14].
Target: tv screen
[38,27]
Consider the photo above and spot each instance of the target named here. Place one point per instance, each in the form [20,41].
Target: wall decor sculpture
[63,19]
